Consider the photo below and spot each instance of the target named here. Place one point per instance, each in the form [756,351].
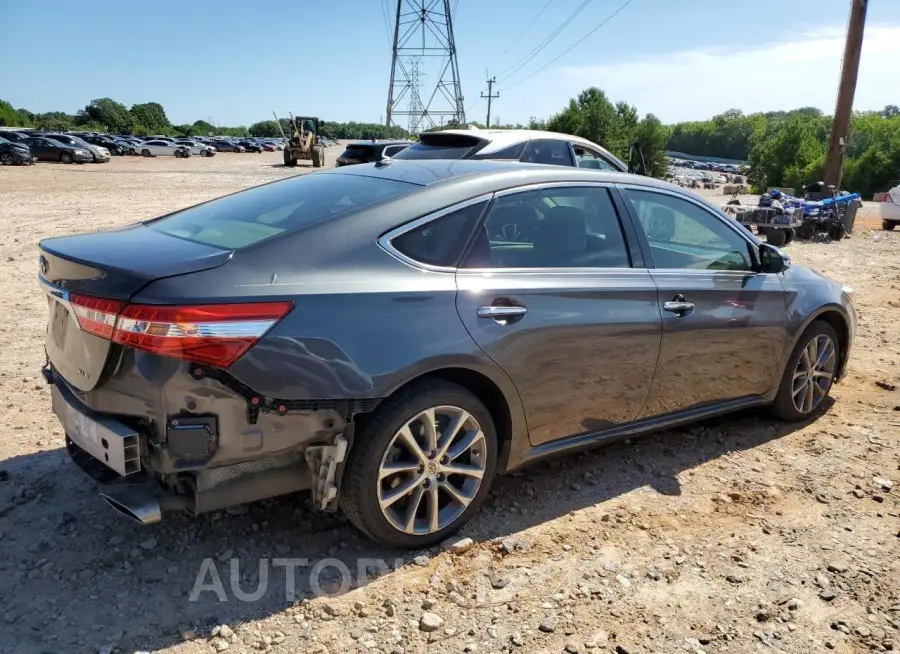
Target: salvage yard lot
[738,535]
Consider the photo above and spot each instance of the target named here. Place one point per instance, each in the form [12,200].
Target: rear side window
[440,242]
[260,213]
[548,151]
[512,153]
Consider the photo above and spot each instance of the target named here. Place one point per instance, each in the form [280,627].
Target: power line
[385,13]
[570,48]
[530,25]
[512,70]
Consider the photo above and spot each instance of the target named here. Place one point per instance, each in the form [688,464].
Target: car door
[43,149]
[556,294]
[724,323]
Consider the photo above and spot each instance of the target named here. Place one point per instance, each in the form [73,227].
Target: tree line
[149,118]
[781,148]
[788,148]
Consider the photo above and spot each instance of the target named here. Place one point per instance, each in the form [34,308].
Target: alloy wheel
[431,470]
[814,374]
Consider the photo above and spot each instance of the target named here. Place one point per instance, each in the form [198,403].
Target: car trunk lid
[89,278]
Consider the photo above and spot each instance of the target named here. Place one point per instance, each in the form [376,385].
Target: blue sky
[236,61]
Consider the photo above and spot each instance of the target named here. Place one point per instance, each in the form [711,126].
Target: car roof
[427,172]
[503,138]
[380,142]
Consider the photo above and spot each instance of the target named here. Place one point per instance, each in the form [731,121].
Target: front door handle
[680,308]
[501,314]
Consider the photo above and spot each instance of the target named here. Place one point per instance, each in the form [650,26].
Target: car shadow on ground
[77,575]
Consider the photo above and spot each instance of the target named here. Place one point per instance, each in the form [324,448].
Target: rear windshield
[257,214]
[441,146]
[358,151]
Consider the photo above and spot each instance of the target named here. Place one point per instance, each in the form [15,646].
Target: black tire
[776,237]
[359,497]
[204,153]
[789,235]
[66,158]
[836,231]
[318,157]
[783,406]
[806,231]
[6,159]
[288,160]
[887,225]
[145,153]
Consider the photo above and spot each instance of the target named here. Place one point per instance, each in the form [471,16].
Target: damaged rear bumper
[192,462]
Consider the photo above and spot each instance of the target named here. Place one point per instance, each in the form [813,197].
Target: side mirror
[772,260]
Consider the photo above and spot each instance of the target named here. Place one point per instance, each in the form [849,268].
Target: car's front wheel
[809,374]
[422,467]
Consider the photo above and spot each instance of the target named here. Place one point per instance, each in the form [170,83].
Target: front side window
[566,227]
[684,235]
[440,242]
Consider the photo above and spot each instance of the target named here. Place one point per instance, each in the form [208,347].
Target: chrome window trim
[385,241]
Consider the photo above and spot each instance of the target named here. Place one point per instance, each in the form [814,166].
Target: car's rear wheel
[809,374]
[887,225]
[66,158]
[422,467]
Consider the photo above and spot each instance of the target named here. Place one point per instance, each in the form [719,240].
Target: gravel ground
[737,535]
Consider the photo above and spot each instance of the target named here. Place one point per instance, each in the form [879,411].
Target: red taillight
[214,334]
[887,198]
[96,315]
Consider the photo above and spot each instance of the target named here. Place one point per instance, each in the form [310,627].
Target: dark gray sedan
[391,336]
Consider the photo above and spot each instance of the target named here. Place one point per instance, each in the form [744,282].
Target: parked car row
[23,147]
[26,146]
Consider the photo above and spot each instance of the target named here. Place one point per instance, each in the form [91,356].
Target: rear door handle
[501,314]
[678,307]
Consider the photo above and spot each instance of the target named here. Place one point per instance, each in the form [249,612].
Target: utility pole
[849,69]
[490,97]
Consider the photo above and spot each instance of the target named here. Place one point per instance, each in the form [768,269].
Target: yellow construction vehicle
[304,142]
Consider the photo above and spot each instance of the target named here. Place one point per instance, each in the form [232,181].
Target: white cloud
[802,71]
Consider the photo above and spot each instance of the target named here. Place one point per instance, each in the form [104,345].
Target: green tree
[152,117]
[264,128]
[10,117]
[112,116]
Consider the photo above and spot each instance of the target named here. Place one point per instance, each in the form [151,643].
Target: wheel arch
[499,396]
[836,317]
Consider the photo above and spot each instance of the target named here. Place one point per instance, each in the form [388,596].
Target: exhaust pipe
[142,505]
